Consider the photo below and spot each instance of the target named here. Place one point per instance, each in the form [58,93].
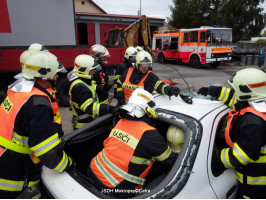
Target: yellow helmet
[40,64]
[130,52]
[143,58]
[175,138]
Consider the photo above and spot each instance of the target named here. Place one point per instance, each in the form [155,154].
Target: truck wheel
[215,64]
[195,62]
[62,88]
[161,58]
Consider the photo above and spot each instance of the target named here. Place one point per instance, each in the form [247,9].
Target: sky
[151,8]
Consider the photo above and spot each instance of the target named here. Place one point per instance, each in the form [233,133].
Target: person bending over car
[131,148]
[141,77]
[246,131]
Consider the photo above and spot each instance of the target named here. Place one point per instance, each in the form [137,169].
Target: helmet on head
[37,47]
[138,48]
[130,52]
[23,56]
[83,64]
[98,51]
[140,103]
[144,59]
[249,84]
[40,64]
[175,138]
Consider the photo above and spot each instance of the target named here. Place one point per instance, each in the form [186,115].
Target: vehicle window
[194,36]
[185,39]
[203,36]
[219,143]
[174,43]
[158,44]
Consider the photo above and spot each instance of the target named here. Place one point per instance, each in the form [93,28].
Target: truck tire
[195,62]
[215,64]
[62,88]
[161,58]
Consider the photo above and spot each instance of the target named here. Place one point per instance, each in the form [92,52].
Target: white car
[195,174]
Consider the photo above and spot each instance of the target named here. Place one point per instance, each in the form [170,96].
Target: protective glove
[107,86]
[114,109]
[174,91]
[71,163]
[203,91]
[121,101]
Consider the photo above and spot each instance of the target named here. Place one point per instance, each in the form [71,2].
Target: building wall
[87,6]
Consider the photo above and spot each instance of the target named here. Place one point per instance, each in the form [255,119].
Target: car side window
[219,143]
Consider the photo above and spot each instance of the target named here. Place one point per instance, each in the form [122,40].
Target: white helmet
[130,52]
[249,84]
[140,103]
[98,51]
[143,58]
[37,47]
[175,138]
[138,48]
[40,64]
[83,64]
[23,56]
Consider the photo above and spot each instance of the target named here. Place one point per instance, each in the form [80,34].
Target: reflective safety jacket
[129,87]
[57,114]
[14,145]
[248,146]
[226,95]
[99,79]
[111,164]
[84,110]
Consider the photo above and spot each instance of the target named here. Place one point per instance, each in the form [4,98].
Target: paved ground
[195,79]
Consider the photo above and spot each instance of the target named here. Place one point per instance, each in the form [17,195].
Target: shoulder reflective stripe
[33,183]
[86,104]
[124,137]
[140,161]
[157,85]
[240,155]
[164,155]
[9,185]
[224,94]
[46,145]
[23,140]
[105,173]
[263,150]
[62,164]
[262,159]
[14,147]
[225,158]
[121,173]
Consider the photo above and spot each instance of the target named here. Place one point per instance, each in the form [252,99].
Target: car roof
[200,107]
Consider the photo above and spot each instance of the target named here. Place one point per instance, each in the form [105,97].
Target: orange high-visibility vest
[128,87]
[232,115]
[111,164]
[56,111]
[8,112]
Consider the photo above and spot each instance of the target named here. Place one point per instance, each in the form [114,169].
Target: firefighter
[100,53]
[245,133]
[129,61]
[142,77]
[28,137]
[131,148]
[84,93]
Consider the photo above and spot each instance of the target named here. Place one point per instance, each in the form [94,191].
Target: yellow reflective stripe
[33,183]
[105,173]
[239,177]
[263,150]
[258,180]
[115,86]
[79,125]
[57,118]
[225,158]
[164,155]
[14,147]
[163,92]
[119,89]
[21,140]
[140,161]
[106,101]
[157,85]
[233,102]
[262,159]
[46,145]
[124,137]
[224,94]
[9,185]
[86,104]
[122,173]
[95,109]
[118,81]
[240,155]
[117,76]
[62,164]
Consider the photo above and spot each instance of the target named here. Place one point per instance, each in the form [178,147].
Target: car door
[223,181]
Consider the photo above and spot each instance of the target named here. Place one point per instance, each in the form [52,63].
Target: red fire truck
[197,46]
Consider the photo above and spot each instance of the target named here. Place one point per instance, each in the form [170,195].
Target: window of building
[83,2]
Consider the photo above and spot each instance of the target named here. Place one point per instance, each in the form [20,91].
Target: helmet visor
[145,65]
[61,68]
[96,66]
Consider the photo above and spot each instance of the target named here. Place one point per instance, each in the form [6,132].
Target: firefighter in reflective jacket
[28,137]
[131,148]
[83,92]
[100,53]
[245,133]
[142,77]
